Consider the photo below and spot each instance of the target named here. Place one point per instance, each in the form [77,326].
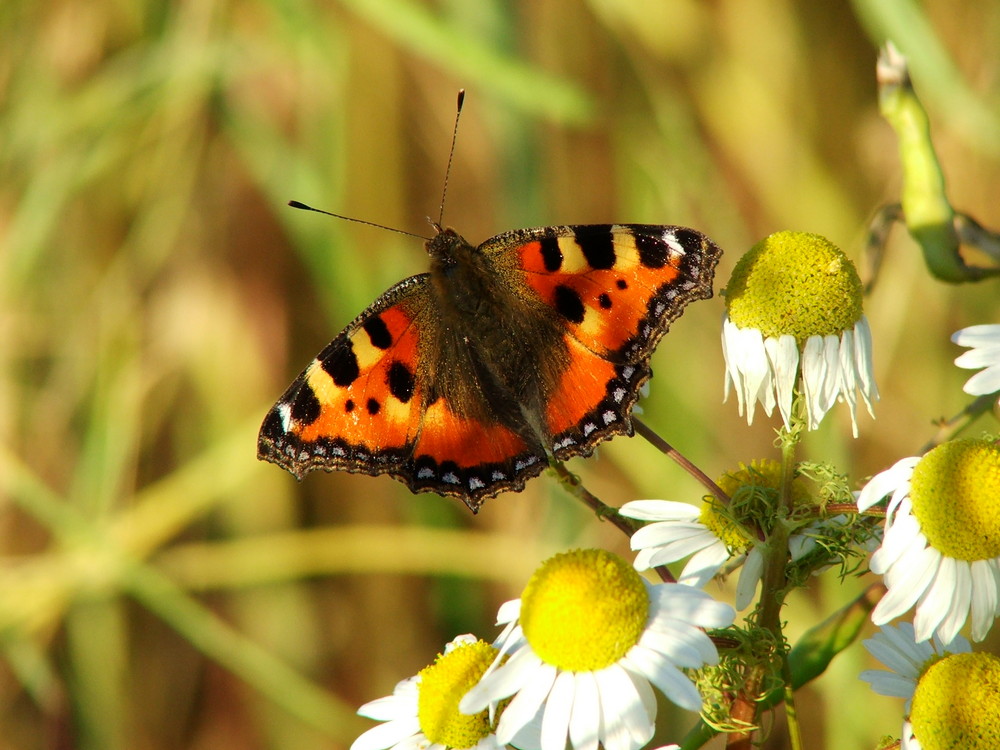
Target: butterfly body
[469,379]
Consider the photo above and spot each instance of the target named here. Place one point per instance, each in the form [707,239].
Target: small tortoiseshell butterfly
[465,380]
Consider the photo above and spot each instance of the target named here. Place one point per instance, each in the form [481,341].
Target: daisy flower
[794,326]
[952,695]
[941,547]
[422,712]
[710,536]
[587,641]
[984,351]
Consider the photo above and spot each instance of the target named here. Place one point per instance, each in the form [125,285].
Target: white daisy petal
[863,362]
[526,703]
[886,482]
[671,681]
[622,709]
[659,510]
[886,683]
[983,335]
[585,725]
[558,709]
[388,734]
[961,598]
[937,601]
[982,383]
[502,682]
[923,563]
[674,533]
[746,587]
[703,565]
[783,357]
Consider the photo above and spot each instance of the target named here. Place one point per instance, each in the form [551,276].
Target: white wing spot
[673,244]
[450,478]
[425,473]
[618,395]
[609,417]
[285,412]
[475,483]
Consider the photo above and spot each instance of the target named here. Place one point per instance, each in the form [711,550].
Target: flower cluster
[589,643]
[577,661]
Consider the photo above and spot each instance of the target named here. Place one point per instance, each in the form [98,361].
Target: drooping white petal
[746,587]
[783,356]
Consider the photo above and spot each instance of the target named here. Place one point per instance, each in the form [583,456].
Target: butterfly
[469,379]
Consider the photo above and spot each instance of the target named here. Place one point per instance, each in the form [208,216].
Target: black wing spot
[604,300]
[621,284]
[349,405]
[341,364]
[400,381]
[373,406]
[597,245]
[273,427]
[378,332]
[305,407]
[569,304]
[653,251]
[552,256]
[689,240]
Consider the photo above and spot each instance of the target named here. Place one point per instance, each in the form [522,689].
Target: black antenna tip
[299,204]
[461,99]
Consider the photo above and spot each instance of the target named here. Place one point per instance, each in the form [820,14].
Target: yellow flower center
[583,610]
[754,490]
[957,702]
[442,686]
[955,491]
[797,284]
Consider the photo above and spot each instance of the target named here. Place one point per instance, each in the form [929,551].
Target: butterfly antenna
[304,207]
[451,154]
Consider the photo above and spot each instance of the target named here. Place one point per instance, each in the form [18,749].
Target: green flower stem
[929,216]
[773,589]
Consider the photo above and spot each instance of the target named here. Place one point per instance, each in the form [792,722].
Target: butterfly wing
[615,289]
[369,403]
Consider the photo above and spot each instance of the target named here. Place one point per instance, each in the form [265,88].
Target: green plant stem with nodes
[774,587]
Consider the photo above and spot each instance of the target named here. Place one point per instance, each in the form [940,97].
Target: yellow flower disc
[955,491]
[583,610]
[442,685]
[957,704]
[796,284]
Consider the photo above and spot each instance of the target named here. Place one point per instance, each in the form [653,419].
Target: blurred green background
[160,588]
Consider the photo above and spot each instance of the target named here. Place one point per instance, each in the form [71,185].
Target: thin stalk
[668,450]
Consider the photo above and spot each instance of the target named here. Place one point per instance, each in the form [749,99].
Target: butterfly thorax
[500,354]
